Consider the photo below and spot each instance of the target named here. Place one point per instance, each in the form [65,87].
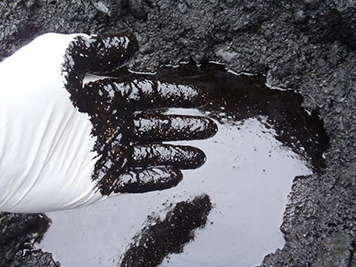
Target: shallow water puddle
[264,140]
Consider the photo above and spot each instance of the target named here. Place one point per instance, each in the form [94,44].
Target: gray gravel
[306,45]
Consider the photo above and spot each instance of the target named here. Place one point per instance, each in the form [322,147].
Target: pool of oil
[264,140]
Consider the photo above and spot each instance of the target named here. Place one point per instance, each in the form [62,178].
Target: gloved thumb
[95,54]
[99,53]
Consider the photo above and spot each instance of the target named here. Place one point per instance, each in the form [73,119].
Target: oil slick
[265,139]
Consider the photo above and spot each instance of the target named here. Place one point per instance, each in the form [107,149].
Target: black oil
[240,211]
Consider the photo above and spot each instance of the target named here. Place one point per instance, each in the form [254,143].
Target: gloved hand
[65,142]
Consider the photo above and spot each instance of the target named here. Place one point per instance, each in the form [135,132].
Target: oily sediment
[307,46]
[162,237]
[18,234]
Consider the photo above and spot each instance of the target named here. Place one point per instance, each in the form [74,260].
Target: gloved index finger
[145,94]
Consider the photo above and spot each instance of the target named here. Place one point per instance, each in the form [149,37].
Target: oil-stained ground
[307,46]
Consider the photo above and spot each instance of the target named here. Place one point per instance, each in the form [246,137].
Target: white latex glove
[66,144]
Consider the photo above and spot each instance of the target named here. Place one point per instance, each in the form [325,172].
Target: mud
[306,46]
